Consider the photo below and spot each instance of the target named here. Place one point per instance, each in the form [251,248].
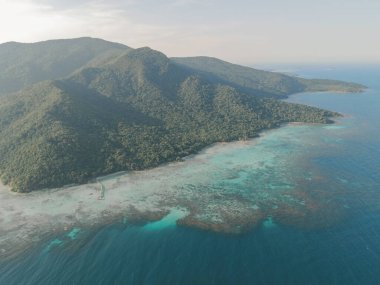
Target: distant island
[72,110]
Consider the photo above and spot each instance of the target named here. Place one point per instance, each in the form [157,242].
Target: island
[73,110]
[94,132]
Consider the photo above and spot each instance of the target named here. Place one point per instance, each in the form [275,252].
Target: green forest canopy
[116,108]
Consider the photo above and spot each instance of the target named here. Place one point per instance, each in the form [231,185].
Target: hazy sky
[241,31]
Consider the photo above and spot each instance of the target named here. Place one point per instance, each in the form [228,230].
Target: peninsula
[72,110]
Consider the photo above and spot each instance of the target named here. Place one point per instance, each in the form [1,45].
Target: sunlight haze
[239,31]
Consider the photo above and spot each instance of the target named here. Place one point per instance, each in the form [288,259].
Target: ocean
[335,240]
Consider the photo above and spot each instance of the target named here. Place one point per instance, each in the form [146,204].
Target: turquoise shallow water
[335,242]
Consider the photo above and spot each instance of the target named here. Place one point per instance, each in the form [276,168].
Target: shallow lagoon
[305,197]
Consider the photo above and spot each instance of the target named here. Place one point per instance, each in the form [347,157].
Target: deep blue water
[346,253]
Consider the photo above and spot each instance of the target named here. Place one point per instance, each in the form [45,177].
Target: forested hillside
[259,82]
[134,110]
[24,64]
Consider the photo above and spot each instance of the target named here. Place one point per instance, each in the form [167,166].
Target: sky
[240,31]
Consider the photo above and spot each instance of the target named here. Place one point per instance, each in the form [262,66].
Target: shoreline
[140,197]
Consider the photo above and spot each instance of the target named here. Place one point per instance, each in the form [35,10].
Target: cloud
[182,3]
[24,20]
[119,21]
[240,31]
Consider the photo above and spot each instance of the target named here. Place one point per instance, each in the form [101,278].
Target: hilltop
[91,107]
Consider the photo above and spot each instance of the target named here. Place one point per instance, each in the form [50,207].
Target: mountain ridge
[135,110]
[254,80]
[24,64]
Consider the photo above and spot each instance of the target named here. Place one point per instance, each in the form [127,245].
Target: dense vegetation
[133,111]
[261,83]
[25,64]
